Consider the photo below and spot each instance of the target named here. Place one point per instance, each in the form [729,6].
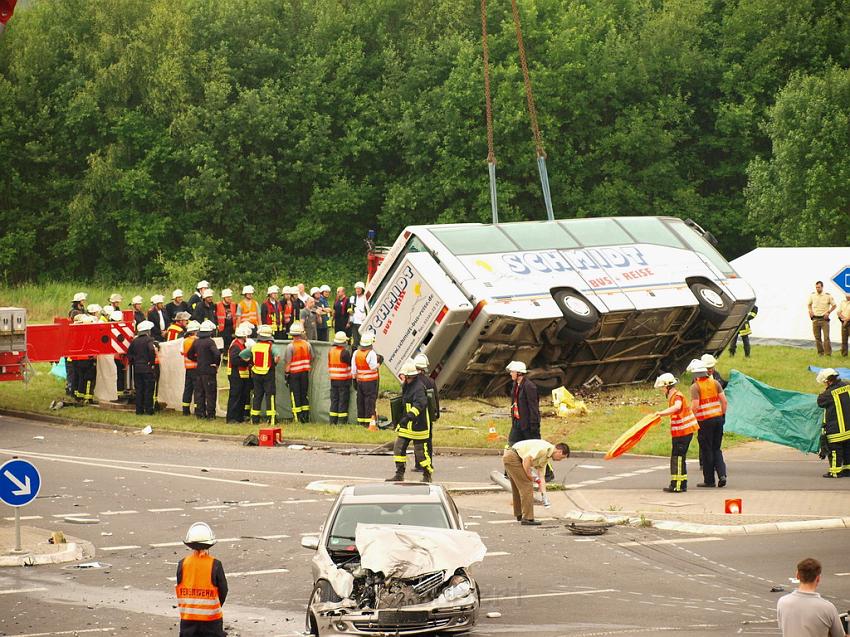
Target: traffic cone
[492,434]
[373,426]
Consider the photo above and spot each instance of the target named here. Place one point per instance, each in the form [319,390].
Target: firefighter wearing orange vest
[364,370]
[271,313]
[263,362]
[708,402]
[178,328]
[238,376]
[247,309]
[225,317]
[201,586]
[683,425]
[339,369]
[297,363]
[189,365]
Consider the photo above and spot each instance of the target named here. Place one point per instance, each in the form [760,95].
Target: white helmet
[297,329]
[182,316]
[517,366]
[665,380]
[176,293]
[360,285]
[421,361]
[116,298]
[79,297]
[709,361]
[409,368]
[137,300]
[243,330]
[248,289]
[273,289]
[262,330]
[207,326]
[93,308]
[825,374]
[367,340]
[144,326]
[202,284]
[340,338]
[696,367]
[313,290]
[226,293]
[116,315]
[81,318]
[106,310]
[208,293]
[325,288]
[200,533]
[192,326]
[157,298]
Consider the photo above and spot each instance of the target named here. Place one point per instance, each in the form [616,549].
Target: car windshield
[341,537]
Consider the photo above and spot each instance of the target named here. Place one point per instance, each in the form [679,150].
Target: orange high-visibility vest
[337,369]
[221,314]
[683,422]
[197,596]
[364,372]
[173,332]
[261,355]
[187,362]
[250,311]
[709,400]
[300,361]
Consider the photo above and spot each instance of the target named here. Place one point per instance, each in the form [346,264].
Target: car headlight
[458,587]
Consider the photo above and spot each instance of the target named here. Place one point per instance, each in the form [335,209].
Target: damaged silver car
[393,559]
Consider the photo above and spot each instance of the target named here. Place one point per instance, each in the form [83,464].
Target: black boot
[426,477]
[399,473]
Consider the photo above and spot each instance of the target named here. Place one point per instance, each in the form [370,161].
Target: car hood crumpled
[409,551]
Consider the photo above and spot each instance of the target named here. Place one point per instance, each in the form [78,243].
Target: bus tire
[714,305]
[579,314]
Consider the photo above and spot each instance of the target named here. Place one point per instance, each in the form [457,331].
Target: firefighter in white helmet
[198,295]
[708,402]
[327,307]
[176,305]
[683,425]
[835,402]
[208,357]
[141,355]
[413,426]
[138,313]
[248,309]
[422,364]
[357,310]
[225,318]
[238,376]
[201,586]
[339,370]
[115,301]
[78,305]
[364,370]
[263,364]
[189,367]
[156,315]
[271,312]
[298,361]
[322,312]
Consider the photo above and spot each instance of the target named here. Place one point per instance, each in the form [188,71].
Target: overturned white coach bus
[617,298]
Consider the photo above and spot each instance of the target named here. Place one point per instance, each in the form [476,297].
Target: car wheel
[579,314]
[714,305]
[323,592]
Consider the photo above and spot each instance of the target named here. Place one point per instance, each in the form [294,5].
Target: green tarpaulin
[760,411]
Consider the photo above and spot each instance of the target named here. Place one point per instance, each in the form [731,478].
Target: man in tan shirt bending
[844,317]
[821,305]
[519,460]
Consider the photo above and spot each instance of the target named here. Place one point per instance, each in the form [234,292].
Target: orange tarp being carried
[632,436]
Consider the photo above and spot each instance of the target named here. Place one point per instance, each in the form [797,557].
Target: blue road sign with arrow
[19,482]
[842,280]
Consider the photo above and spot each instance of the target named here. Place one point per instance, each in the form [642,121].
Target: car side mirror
[310,542]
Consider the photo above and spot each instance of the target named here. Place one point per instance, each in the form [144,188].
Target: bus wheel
[714,305]
[580,316]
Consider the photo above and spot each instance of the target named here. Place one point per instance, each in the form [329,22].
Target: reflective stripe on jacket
[187,343]
[236,348]
[273,315]
[709,399]
[197,596]
[300,361]
[835,402]
[221,314]
[173,332]
[261,355]
[683,422]
[249,311]
[364,372]
[336,368]
[418,425]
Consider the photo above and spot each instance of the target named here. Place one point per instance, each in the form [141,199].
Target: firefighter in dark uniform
[238,376]
[138,314]
[189,366]
[205,310]
[422,365]
[78,307]
[208,357]
[339,370]
[263,363]
[201,586]
[297,363]
[835,401]
[141,355]
[414,426]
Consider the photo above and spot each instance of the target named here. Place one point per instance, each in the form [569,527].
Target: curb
[72,552]
[316,444]
[716,529]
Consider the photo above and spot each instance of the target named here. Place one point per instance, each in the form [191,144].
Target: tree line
[255,139]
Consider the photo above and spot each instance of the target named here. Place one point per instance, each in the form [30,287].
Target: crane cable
[491,152]
[532,110]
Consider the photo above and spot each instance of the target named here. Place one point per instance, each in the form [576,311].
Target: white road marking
[465,523]
[126,547]
[255,504]
[500,521]
[166,510]
[78,631]
[588,466]
[270,571]
[298,501]
[272,537]
[162,545]
[24,517]
[558,594]
[211,506]
[122,512]
[496,553]
[836,575]
[100,463]
[684,540]
[14,591]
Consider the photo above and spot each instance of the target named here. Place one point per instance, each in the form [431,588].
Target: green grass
[610,412]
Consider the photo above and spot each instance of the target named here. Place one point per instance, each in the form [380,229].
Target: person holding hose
[683,425]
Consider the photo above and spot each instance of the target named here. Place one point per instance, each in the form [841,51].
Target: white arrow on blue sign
[842,280]
[20,482]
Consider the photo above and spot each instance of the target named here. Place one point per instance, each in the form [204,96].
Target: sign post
[20,483]
[842,279]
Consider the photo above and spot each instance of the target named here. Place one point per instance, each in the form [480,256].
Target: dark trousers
[340,395]
[820,330]
[121,375]
[144,392]
[838,457]
[734,345]
[237,398]
[85,373]
[264,387]
[519,432]
[206,388]
[710,438]
[189,391]
[156,386]
[70,377]
[420,454]
[367,396]
[192,628]
[299,387]
[845,334]
[679,464]
[355,333]
[322,334]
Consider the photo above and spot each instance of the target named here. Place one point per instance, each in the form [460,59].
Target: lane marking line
[496,553]
[162,545]
[14,591]
[256,504]
[836,575]
[166,510]
[270,571]
[24,517]
[126,547]
[122,512]
[685,540]
[272,537]
[212,506]
[558,594]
